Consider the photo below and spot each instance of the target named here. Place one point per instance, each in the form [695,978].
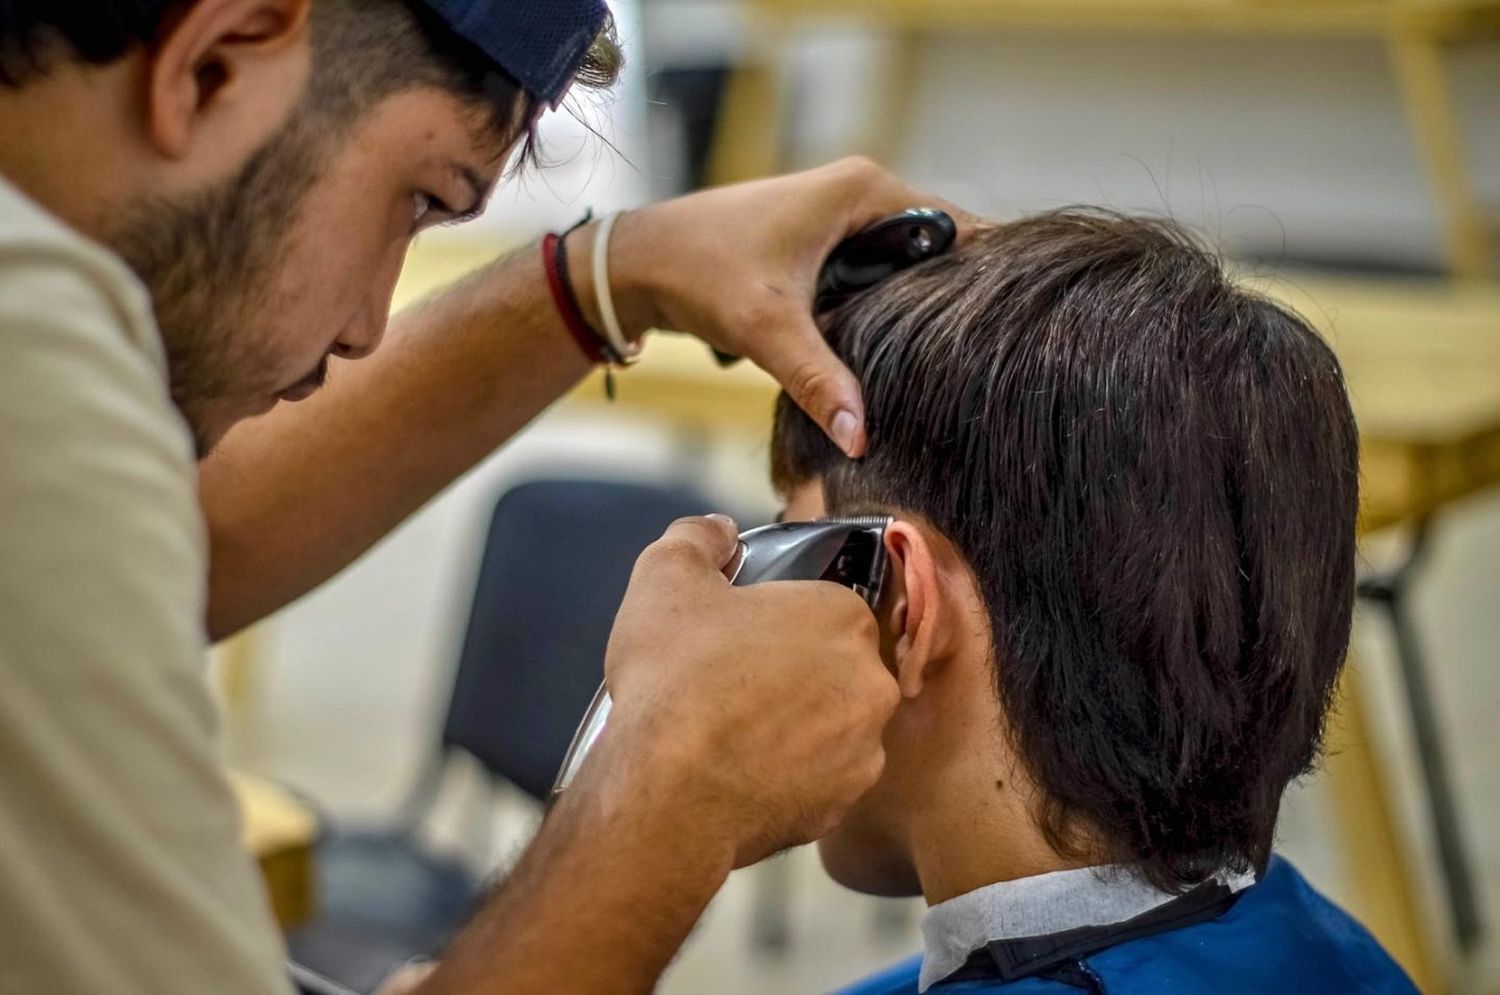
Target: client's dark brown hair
[1153,475]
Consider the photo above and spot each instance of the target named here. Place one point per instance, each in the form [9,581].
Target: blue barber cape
[1280,937]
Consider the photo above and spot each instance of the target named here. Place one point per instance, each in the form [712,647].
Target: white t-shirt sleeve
[121,867]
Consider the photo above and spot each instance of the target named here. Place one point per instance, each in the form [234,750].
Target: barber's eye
[424,205]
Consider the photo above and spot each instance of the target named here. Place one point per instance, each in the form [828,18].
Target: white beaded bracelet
[628,351]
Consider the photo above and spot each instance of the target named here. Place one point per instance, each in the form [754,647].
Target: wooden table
[1415,33]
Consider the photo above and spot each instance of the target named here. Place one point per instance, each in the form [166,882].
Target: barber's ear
[911,610]
[222,52]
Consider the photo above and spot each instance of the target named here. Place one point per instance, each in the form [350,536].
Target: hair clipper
[845,551]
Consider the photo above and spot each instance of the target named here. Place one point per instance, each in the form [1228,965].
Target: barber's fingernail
[845,428]
[724,519]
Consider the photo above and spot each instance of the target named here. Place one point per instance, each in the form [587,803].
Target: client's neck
[975,824]
[979,840]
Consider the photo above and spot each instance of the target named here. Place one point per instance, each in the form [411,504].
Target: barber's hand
[754,714]
[738,267]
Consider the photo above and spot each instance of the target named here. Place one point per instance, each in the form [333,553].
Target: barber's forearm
[295,496]
[599,905]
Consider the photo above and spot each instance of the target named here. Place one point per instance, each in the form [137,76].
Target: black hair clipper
[845,551]
[869,258]
[881,251]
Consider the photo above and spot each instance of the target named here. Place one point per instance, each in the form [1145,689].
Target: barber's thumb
[711,541]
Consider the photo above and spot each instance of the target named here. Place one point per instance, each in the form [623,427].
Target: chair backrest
[555,568]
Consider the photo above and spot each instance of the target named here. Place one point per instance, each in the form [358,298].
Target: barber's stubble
[211,262]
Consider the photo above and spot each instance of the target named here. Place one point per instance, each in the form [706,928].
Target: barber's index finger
[816,380]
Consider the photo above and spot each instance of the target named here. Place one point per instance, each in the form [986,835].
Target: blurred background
[394,727]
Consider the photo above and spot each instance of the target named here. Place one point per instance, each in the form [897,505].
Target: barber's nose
[363,334]
[345,349]
[361,338]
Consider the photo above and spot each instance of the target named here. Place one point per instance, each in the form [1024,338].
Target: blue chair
[555,567]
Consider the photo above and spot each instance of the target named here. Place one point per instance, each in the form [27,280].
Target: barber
[202,204]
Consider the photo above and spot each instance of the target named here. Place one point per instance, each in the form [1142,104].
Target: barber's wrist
[656,783]
[633,297]
[606,893]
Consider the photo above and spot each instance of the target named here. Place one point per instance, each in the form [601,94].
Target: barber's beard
[211,262]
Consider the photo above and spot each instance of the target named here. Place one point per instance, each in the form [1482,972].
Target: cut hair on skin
[1153,475]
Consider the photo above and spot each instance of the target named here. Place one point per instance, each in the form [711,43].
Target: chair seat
[382,900]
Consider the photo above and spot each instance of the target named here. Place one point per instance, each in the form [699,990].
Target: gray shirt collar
[1037,906]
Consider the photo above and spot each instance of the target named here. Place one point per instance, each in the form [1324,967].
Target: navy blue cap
[541,43]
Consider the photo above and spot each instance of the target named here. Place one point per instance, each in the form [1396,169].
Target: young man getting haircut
[1121,579]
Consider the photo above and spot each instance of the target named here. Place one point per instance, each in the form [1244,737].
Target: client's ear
[909,607]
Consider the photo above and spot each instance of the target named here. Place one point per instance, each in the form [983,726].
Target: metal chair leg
[773,895]
[1390,593]
[892,917]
